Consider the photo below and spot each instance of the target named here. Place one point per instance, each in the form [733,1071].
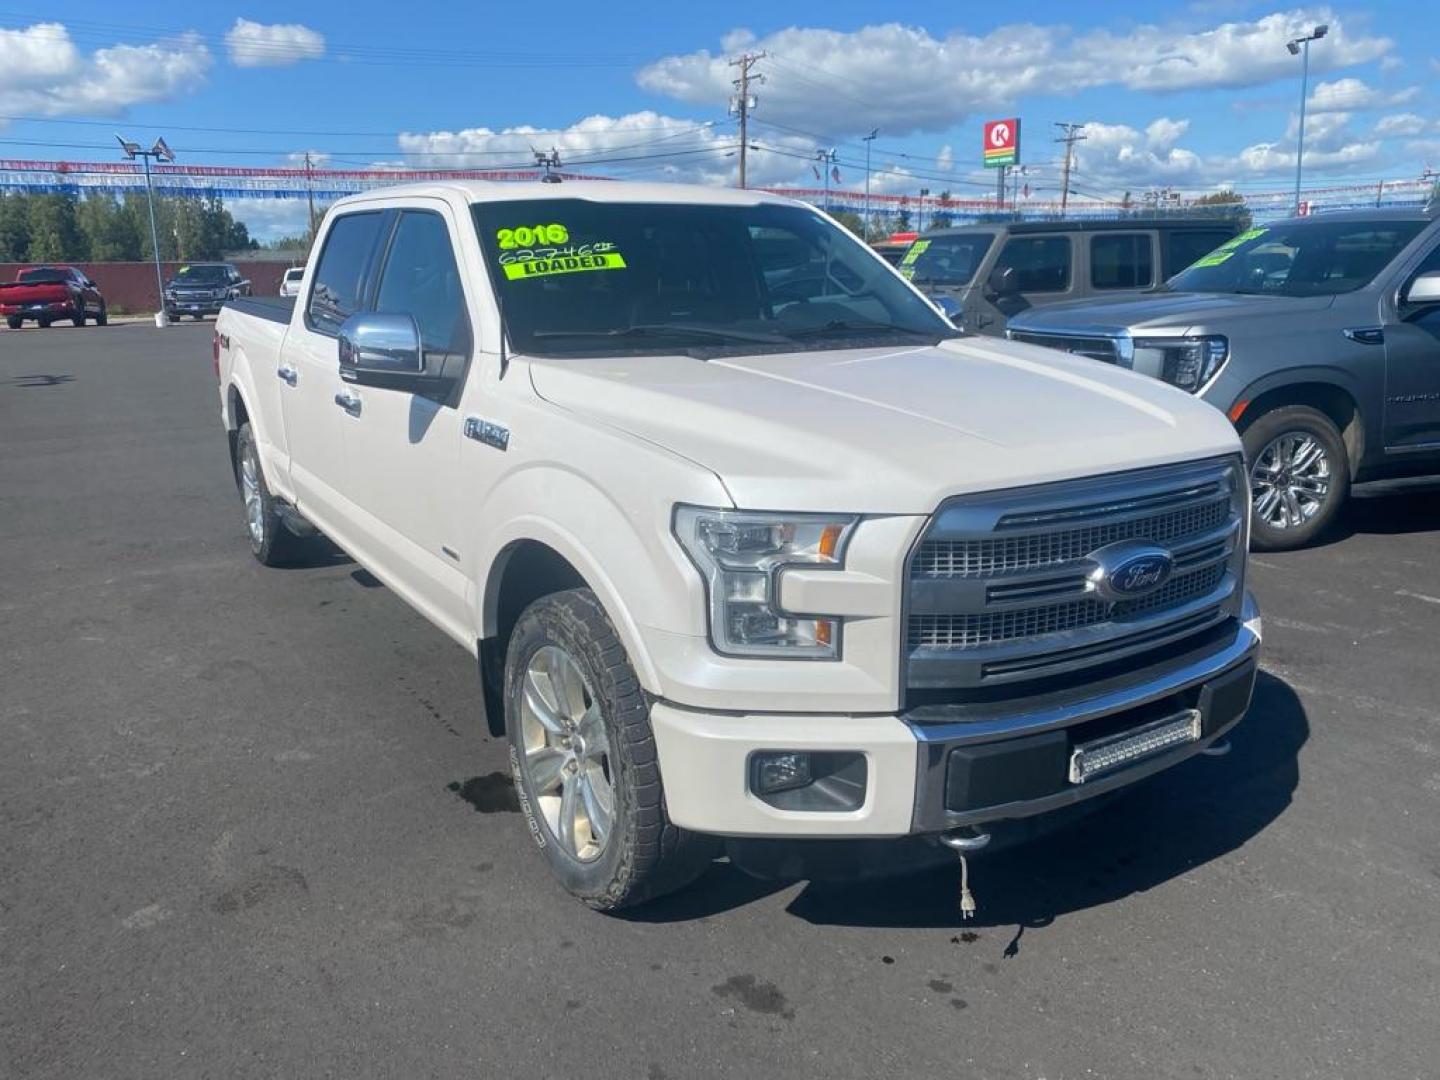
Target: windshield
[579,277]
[42,276]
[201,275]
[946,260]
[1299,258]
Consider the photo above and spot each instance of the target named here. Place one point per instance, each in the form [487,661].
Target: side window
[1041,263]
[1180,249]
[339,277]
[1121,261]
[421,279]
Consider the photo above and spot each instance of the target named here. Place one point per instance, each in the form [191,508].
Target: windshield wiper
[660,330]
[845,325]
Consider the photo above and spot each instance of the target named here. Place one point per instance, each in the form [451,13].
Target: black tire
[14,322]
[103,319]
[44,324]
[198,318]
[1272,527]
[78,319]
[271,542]
[644,855]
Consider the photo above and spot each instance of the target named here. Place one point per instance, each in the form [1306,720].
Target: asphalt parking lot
[250,826]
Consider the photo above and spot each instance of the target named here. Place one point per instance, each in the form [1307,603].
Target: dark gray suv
[1319,337]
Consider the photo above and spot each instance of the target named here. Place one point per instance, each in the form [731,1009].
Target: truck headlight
[1186,362]
[741,555]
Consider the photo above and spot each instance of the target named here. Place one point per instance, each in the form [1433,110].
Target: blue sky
[1193,96]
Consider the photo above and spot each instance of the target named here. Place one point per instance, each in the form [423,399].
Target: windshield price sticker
[1225,250]
[529,235]
[542,250]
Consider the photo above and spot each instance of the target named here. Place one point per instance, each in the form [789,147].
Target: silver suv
[1318,337]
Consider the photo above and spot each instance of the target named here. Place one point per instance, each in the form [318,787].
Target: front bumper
[192,307]
[926,772]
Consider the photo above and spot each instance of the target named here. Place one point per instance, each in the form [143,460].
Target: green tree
[902,220]
[54,233]
[14,229]
[1228,204]
[942,219]
[108,233]
[851,221]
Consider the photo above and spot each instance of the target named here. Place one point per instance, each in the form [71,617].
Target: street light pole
[160,152]
[1301,45]
[868,140]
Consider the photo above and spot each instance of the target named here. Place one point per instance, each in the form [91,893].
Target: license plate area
[1100,757]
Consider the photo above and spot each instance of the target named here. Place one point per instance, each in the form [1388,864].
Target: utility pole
[867,141]
[920,210]
[827,158]
[1070,138]
[743,102]
[1302,45]
[310,193]
[1000,188]
[160,152]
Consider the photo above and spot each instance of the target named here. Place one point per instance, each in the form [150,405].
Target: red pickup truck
[48,293]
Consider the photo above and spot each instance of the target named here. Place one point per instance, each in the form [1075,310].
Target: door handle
[287,374]
[1366,335]
[349,402]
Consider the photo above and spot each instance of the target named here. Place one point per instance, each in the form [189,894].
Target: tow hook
[1219,749]
[965,841]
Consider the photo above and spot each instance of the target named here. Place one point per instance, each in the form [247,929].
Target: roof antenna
[549,162]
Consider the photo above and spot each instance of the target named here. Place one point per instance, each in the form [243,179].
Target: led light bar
[1101,756]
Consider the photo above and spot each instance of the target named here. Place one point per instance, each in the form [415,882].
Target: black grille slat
[965,631]
[999,555]
[1096,348]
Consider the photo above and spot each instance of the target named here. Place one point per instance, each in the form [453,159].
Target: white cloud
[1354,95]
[43,73]
[1401,124]
[253,44]
[903,79]
[270,219]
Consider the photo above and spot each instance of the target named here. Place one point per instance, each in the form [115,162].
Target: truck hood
[889,430]
[1169,311]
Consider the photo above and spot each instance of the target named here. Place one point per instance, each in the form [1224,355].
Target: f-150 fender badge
[490,434]
[1129,569]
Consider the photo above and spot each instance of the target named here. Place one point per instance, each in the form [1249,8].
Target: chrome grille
[1008,554]
[967,631]
[1097,348]
[999,586]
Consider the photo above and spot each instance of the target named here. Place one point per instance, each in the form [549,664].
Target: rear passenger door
[317,418]
[1044,273]
[403,447]
[1121,260]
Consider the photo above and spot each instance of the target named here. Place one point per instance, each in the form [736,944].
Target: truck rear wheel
[13,321]
[583,756]
[270,541]
[78,319]
[1299,476]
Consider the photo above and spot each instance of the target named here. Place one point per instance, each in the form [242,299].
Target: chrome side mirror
[382,351]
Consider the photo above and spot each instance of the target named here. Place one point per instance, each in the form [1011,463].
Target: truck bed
[271,308]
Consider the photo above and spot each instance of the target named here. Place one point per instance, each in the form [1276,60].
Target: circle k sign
[1002,142]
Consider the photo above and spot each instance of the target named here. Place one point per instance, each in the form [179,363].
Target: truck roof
[1209,222]
[482,191]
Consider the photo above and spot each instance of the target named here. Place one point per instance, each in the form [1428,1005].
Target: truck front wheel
[583,756]
[1299,476]
[270,541]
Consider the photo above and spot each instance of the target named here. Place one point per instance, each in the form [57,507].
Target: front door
[1412,371]
[405,448]
[1044,273]
[317,418]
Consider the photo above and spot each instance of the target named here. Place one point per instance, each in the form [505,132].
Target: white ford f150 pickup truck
[750,546]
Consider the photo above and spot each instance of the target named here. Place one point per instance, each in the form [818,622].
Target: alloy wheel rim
[1290,480]
[250,491]
[566,756]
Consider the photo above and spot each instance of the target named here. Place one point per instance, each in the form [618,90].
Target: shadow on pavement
[1387,508]
[1166,826]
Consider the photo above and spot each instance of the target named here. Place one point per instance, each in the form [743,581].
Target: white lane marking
[1418,596]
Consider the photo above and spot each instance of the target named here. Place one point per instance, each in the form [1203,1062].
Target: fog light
[782,770]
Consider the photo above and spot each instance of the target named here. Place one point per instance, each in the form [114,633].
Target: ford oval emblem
[1129,569]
